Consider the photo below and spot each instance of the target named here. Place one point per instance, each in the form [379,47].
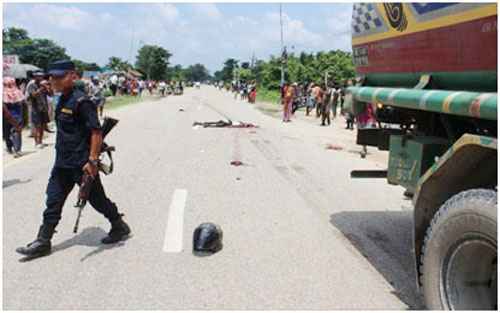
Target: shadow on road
[91,237]
[385,240]
[11,182]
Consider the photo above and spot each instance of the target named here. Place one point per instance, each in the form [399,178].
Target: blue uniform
[76,117]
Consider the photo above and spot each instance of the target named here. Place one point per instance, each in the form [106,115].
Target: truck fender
[470,163]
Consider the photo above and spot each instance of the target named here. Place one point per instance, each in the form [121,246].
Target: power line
[131,46]
[282,52]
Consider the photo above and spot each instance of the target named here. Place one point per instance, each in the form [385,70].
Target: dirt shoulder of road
[336,135]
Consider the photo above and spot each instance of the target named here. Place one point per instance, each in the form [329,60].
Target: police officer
[78,144]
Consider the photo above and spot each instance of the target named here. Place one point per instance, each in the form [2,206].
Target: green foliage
[174,73]
[227,70]
[243,73]
[153,61]
[196,72]
[217,76]
[304,67]
[265,95]
[39,52]
[118,64]
[86,66]
[269,74]
[107,92]
[121,100]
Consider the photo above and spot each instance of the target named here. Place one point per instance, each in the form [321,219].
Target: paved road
[298,232]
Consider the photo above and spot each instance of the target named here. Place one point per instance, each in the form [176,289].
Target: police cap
[59,68]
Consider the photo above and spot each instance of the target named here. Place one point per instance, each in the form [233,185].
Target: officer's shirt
[76,117]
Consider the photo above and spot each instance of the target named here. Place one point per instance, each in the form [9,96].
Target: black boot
[119,230]
[41,246]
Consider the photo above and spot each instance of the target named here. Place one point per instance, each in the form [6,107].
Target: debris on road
[181,110]
[332,147]
[237,163]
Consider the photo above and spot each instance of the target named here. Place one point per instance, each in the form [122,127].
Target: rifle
[86,182]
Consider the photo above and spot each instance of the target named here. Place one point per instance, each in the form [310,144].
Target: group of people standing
[324,99]
[26,102]
[32,101]
[247,90]
[312,95]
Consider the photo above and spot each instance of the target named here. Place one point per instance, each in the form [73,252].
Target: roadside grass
[269,110]
[121,100]
[265,95]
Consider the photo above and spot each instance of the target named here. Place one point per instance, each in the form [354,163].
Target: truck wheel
[458,264]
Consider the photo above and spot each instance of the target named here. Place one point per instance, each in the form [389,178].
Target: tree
[217,76]
[153,61]
[245,65]
[227,70]
[243,73]
[174,73]
[196,72]
[86,66]
[305,68]
[115,62]
[13,34]
[39,52]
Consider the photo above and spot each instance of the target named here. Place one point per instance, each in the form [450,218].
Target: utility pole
[130,55]
[253,60]
[326,78]
[282,53]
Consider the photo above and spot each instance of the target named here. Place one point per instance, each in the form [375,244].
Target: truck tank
[394,44]
[431,71]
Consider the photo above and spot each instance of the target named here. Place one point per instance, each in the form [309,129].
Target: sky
[206,33]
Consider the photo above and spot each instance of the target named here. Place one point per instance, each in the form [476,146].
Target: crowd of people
[247,90]
[135,87]
[27,102]
[324,99]
[30,102]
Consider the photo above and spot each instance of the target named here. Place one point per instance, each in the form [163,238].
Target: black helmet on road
[207,238]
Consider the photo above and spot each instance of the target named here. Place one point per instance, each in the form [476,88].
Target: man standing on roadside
[78,144]
[30,81]
[38,93]
[141,86]
[113,84]
[96,93]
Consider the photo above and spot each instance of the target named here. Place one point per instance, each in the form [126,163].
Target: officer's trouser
[61,183]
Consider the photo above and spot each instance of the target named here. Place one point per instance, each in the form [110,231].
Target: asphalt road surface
[298,232]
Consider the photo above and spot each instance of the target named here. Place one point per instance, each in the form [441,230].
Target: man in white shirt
[96,93]
[113,84]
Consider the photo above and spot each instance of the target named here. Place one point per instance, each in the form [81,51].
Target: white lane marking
[175,223]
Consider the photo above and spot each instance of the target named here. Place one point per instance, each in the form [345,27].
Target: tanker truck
[430,72]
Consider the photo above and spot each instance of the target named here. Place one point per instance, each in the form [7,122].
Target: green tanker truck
[430,69]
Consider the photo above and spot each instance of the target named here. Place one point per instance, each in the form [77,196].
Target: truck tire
[458,264]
